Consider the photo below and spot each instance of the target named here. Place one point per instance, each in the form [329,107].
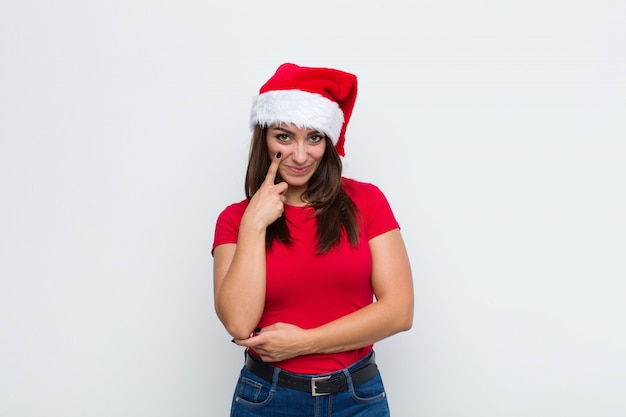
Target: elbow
[399,316]
[407,323]
[237,329]
[399,321]
[405,319]
[409,312]
[239,333]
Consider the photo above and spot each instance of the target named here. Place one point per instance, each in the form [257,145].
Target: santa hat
[315,98]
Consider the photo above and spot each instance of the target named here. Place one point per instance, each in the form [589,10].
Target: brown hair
[333,207]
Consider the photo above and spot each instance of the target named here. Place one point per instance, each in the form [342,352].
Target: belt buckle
[314,392]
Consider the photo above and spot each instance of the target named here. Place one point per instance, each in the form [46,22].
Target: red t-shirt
[309,290]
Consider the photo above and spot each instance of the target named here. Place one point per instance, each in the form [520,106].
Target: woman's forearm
[364,327]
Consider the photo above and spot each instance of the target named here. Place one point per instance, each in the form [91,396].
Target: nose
[299,153]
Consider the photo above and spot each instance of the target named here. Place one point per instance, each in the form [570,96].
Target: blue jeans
[255,397]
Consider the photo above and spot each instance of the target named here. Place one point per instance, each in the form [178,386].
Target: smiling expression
[302,151]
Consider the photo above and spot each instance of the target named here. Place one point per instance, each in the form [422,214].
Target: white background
[495,128]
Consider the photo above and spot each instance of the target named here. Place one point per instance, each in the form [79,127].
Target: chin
[297,184]
[296,181]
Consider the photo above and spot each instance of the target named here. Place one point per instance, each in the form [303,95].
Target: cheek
[320,150]
[319,155]
[273,148]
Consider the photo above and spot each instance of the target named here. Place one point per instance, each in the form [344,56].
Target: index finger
[273,169]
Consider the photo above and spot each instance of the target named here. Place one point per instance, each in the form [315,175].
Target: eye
[282,137]
[316,138]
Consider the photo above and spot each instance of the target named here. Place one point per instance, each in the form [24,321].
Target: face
[302,151]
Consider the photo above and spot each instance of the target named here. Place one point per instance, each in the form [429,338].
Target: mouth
[298,170]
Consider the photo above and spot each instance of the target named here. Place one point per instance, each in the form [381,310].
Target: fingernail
[278,155]
[233,341]
[257,330]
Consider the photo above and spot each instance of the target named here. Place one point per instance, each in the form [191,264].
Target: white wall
[496,129]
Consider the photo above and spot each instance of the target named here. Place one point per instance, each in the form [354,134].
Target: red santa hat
[315,98]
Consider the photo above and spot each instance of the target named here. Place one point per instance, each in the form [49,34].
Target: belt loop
[275,376]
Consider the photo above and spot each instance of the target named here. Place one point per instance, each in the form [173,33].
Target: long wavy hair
[334,209]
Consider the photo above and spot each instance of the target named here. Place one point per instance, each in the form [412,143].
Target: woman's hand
[277,342]
[267,204]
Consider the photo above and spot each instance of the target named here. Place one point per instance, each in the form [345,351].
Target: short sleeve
[380,217]
[376,213]
[227,225]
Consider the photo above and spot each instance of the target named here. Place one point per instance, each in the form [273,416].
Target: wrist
[248,225]
[310,342]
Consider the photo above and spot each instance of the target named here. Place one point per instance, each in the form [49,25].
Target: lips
[298,170]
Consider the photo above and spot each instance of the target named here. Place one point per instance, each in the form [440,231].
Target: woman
[298,263]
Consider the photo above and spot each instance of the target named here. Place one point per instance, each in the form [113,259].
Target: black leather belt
[316,386]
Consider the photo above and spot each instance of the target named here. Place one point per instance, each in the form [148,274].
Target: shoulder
[372,205]
[233,212]
[354,186]
[360,191]
[238,207]
[227,226]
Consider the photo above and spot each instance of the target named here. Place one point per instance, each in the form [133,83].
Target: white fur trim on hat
[301,108]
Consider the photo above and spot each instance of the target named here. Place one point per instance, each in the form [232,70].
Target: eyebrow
[312,132]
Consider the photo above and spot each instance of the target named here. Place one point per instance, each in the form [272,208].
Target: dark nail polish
[233,340]
[257,330]
[278,155]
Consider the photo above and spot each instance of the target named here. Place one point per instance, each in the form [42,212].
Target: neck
[294,196]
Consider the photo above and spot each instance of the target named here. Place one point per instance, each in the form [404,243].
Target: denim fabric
[255,397]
